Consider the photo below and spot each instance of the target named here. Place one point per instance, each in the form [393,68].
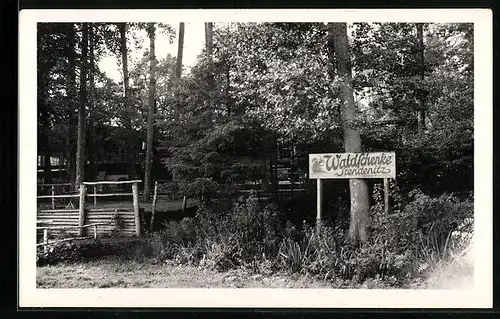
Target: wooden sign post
[386,196]
[351,165]
[319,192]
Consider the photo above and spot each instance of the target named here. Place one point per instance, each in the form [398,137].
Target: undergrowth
[414,240]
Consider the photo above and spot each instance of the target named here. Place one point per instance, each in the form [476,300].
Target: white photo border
[481,296]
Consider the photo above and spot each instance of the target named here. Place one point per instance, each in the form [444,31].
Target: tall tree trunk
[91,150]
[151,110]
[210,79]
[180,50]
[352,141]
[421,95]
[43,147]
[71,89]
[209,27]
[80,151]
[122,27]
[178,73]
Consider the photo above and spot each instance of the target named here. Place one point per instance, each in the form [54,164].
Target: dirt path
[117,273]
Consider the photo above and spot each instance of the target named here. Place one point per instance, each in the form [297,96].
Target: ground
[112,272]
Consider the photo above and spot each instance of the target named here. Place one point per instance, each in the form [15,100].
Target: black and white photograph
[264,157]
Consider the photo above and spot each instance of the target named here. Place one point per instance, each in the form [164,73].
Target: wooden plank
[63,226]
[126,216]
[71,213]
[113,210]
[63,240]
[130,216]
[110,212]
[110,195]
[57,196]
[45,216]
[45,222]
[76,226]
[59,214]
[131,219]
[62,219]
[56,184]
[111,222]
[61,223]
[112,182]
[58,210]
[57,217]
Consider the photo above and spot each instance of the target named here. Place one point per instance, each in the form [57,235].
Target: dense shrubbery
[244,234]
[406,244]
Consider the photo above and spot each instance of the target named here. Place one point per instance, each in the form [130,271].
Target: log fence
[96,215]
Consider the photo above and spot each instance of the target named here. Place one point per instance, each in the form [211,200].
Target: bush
[59,252]
[243,233]
[424,226]
[183,232]
[422,231]
[83,250]
[255,230]
[403,245]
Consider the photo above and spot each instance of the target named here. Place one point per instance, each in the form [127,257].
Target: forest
[235,129]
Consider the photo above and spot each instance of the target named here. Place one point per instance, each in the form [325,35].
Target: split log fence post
[45,240]
[135,192]
[184,204]
[95,195]
[135,195]
[81,219]
[53,193]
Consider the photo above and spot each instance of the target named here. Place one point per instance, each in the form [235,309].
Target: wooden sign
[352,165]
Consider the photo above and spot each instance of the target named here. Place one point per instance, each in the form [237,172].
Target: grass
[113,272]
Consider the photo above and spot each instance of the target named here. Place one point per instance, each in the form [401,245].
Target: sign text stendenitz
[352,165]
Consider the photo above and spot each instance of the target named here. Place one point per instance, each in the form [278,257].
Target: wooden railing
[135,198]
[53,188]
[46,234]
[83,194]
